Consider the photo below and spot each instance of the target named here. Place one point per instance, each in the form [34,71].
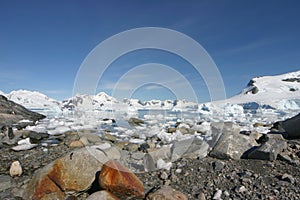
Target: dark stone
[143,147]
[263,139]
[291,80]
[10,133]
[254,90]
[292,127]
[245,132]
[36,137]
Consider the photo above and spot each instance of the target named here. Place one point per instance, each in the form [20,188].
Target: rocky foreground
[84,164]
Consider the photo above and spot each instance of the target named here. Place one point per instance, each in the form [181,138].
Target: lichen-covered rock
[119,180]
[70,174]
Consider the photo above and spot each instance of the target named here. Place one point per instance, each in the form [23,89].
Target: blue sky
[43,43]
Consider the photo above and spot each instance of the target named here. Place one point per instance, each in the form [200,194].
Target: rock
[71,136]
[135,121]
[185,130]
[10,133]
[149,164]
[201,196]
[284,157]
[109,137]
[11,113]
[119,180]
[15,169]
[291,127]
[216,132]
[5,182]
[218,165]
[166,193]
[144,147]
[171,130]
[92,138]
[161,164]
[242,189]
[217,195]
[150,159]
[231,144]
[131,147]
[8,196]
[102,195]
[261,125]
[23,147]
[164,175]
[84,141]
[270,149]
[289,178]
[76,143]
[36,137]
[137,155]
[190,148]
[70,174]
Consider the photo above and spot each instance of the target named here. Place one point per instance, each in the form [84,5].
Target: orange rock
[119,180]
[47,189]
[68,175]
[76,143]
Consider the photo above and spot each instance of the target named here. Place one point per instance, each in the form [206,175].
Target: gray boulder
[231,144]
[270,149]
[190,148]
[150,159]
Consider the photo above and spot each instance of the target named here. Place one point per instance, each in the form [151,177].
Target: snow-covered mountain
[262,94]
[280,92]
[100,101]
[270,89]
[34,100]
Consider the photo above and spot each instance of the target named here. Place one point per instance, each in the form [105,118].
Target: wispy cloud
[254,45]
[153,87]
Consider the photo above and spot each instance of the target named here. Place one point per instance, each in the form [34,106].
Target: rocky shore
[86,164]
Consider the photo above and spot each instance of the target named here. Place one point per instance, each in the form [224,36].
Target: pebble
[164,175]
[242,189]
[289,178]
[226,193]
[201,196]
[161,164]
[218,165]
[217,195]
